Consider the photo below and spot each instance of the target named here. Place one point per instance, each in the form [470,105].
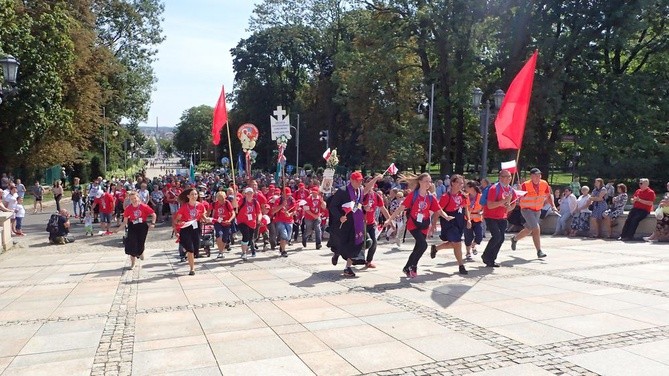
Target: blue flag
[192,169]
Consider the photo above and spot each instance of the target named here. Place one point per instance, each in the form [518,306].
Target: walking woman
[57,194]
[186,221]
[222,215]
[420,203]
[138,217]
[249,217]
[454,203]
[473,234]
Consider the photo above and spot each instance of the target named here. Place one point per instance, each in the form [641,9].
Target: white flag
[510,165]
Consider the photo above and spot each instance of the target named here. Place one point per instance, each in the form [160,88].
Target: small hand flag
[510,166]
[327,154]
[392,169]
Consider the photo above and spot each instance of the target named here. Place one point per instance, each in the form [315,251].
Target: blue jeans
[284,230]
[312,225]
[561,225]
[497,228]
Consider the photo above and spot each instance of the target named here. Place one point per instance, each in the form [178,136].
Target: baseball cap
[301,185]
[286,190]
[535,171]
[248,190]
[315,189]
[356,175]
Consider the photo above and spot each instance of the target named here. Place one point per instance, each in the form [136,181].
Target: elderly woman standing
[138,217]
[581,221]
[598,204]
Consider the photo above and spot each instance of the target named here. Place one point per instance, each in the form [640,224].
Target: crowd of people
[263,215]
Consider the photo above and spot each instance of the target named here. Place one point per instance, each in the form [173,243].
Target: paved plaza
[591,307]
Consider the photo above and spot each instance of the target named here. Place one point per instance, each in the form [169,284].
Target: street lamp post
[10,69]
[297,143]
[484,116]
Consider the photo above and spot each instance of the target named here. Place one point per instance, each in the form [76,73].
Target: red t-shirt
[248,213]
[452,202]
[188,212]
[300,194]
[142,211]
[222,211]
[423,205]
[315,206]
[282,215]
[170,195]
[260,197]
[206,205]
[119,195]
[500,211]
[370,203]
[646,194]
[105,203]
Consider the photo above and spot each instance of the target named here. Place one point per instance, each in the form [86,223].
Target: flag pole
[517,169]
[232,164]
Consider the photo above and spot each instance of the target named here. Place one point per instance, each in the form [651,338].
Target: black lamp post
[10,69]
[484,115]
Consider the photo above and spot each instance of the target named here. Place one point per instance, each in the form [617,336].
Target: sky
[194,60]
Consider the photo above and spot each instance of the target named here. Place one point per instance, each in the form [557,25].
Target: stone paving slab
[591,307]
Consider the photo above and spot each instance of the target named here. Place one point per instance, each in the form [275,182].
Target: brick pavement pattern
[593,307]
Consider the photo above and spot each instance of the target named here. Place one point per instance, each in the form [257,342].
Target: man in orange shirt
[538,194]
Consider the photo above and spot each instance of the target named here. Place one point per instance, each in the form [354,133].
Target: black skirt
[189,238]
[134,243]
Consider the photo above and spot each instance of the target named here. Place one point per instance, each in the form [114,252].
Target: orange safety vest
[533,200]
[476,208]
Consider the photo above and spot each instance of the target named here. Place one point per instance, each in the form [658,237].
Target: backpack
[52,225]
[484,194]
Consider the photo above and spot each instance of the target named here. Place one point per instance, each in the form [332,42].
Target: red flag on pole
[510,122]
[220,118]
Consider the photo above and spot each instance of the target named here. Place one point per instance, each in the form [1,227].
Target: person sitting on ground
[60,232]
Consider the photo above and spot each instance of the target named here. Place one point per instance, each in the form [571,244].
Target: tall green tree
[193,133]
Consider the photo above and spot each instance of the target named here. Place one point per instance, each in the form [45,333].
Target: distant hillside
[162,131]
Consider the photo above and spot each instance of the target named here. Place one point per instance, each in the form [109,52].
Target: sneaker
[541,254]
[253,253]
[469,258]
[220,255]
[413,272]
[183,259]
[141,257]
[192,272]
[433,251]
[398,241]
[370,265]
[304,243]
[245,256]
[462,270]
[335,258]
[318,246]
[407,271]
[108,233]
[513,243]
[284,254]
[475,252]
[348,272]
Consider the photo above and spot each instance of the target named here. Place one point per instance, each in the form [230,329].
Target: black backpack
[52,225]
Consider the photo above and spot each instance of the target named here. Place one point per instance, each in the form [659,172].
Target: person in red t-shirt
[222,215]
[136,219]
[313,210]
[642,204]
[420,203]
[300,194]
[104,201]
[454,203]
[248,217]
[283,211]
[370,203]
[501,200]
[119,194]
[186,222]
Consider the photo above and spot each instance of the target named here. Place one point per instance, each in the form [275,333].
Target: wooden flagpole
[517,168]
[232,165]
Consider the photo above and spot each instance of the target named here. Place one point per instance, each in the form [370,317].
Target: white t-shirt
[20,211]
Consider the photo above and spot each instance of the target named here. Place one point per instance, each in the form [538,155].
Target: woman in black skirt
[138,217]
[187,221]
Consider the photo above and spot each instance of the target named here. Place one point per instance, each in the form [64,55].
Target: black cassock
[342,240]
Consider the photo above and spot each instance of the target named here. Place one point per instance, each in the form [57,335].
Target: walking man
[539,193]
[501,199]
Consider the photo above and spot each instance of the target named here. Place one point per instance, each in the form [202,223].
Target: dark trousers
[474,234]
[634,217]
[418,249]
[497,228]
[371,231]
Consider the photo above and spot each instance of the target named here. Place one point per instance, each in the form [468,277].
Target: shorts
[222,232]
[189,239]
[105,217]
[38,199]
[531,218]
[451,231]
[247,232]
[284,230]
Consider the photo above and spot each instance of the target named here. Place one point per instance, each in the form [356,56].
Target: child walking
[19,214]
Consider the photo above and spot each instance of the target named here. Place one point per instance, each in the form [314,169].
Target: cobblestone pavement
[592,307]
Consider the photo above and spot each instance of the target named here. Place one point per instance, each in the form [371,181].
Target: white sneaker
[245,257]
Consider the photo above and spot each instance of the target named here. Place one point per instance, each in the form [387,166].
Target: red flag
[392,169]
[510,122]
[220,118]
